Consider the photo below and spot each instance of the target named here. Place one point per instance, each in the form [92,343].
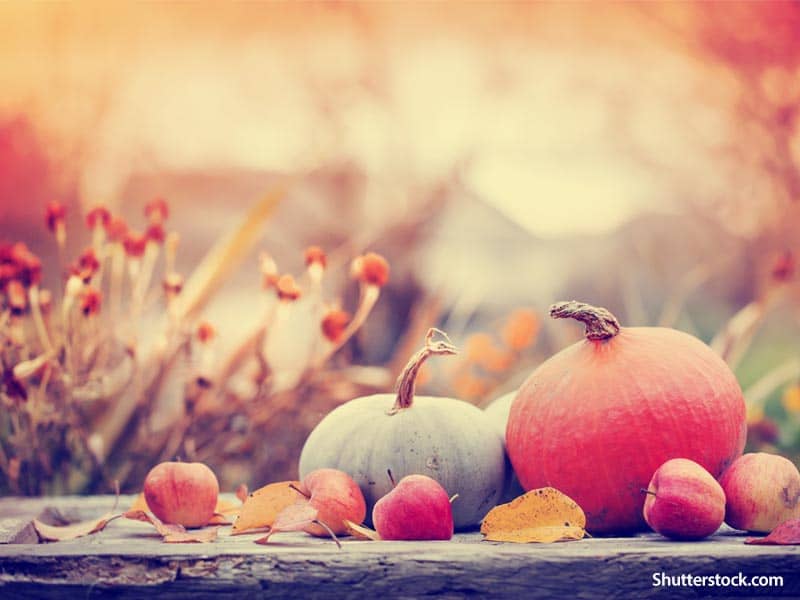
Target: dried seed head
[17,298]
[783,266]
[91,301]
[316,255]
[205,332]
[370,269]
[157,210]
[117,229]
[54,215]
[334,324]
[134,244]
[86,266]
[173,283]
[27,265]
[287,288]
[99,216]
[269,270]
[155,233]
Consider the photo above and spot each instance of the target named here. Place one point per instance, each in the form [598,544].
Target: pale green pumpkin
[449,440]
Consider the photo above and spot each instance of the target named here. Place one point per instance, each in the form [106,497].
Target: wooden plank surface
[128,561]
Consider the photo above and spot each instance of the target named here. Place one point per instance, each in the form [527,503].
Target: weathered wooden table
[127,560]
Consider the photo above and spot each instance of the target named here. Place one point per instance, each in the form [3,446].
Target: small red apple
[418,508]
[182,493]
[762,490]
[684,501]
[336,497]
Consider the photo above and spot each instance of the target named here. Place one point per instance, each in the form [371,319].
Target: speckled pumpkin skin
[597,419]
[448,440]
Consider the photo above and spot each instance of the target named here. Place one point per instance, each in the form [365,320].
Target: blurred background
[501,156]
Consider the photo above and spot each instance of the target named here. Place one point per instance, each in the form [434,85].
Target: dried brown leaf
[172,533]
[61,533]
[543,515]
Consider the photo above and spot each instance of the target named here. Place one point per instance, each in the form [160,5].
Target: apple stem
[329,530]
[406,382]
[644,491]
[391,477]
[299,491]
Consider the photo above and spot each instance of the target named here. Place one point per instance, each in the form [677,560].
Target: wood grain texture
[128,561]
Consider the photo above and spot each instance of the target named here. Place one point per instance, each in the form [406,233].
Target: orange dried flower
[205,332]
[27,265]
[482,351]
[134,243]
[371,269]
[91,301]
[287,288]
[98,216]
[157,210]
[86,266]
[117,229]
[316,255]
[173,283]
[520,329]
[54,215]
[156,233]
[334,324]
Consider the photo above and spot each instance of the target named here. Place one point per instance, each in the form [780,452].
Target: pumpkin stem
[600,323]
[407,380]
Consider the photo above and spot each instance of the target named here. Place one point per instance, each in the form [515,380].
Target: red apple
[336,497]
[762,490]
[684,501]
[182,493]
[418,508]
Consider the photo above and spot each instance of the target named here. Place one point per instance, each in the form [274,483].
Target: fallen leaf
[785,534]
[361,532]
[225,512]
[139,503]
[172,533]
[261,508]
[296,517]
[543,515]
[61,533]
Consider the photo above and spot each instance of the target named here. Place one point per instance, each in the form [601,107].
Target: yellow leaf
[544,515]
[140,503]
[361,532]
[262,506]
[225,256]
